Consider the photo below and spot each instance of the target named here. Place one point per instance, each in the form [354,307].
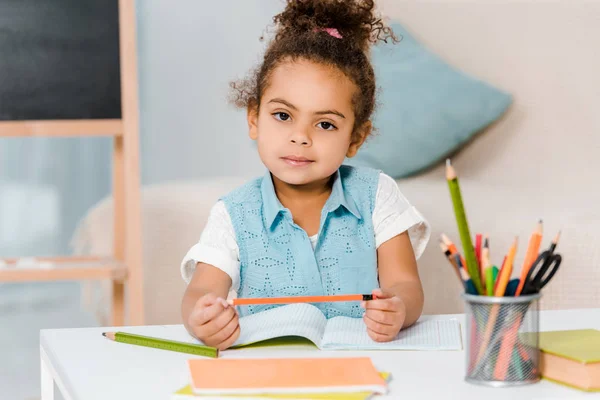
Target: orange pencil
[448,255]
[532,252]
[503,278]
[300,299]
[506,271]
[452,248]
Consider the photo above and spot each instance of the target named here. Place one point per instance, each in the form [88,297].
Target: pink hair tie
[331,31]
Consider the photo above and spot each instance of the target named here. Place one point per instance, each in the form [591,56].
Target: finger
[222,334]
[214,311]
[208,333]
[203,315]
[381,294]
[199,316]
[224,302]
[231,339]
[383,317]
[391,304]
[376,326]
[205,309]
[378,337]
[207,300]
[218,323]
[210,298]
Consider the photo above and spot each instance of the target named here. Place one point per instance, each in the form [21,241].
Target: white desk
[87,366]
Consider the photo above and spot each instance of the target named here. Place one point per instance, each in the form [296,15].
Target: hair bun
[355,20]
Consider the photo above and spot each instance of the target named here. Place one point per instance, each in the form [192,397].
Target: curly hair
[301,34]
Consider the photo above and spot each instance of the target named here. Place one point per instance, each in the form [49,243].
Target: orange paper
[285,375]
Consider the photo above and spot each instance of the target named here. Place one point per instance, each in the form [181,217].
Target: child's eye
[328,126]
[281,116]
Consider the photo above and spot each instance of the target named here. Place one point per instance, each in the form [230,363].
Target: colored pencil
[484,262]
[162,344]
[452,247]
[532,252]
[300,299]
[506,271]
[463,274]
[554,243]
[478,249]
[516,360]
[450,259]
[463,226]
[503,278]
[489,284]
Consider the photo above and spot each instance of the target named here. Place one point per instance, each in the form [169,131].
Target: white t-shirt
[392,215]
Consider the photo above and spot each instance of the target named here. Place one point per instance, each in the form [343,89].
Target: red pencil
[478,248]
[479,260]
[300,299]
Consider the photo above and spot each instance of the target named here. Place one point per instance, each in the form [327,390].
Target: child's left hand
[384,316]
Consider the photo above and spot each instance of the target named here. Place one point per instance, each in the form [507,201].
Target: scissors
[540,273]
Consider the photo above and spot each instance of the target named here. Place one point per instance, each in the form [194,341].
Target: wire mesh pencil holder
[502,340]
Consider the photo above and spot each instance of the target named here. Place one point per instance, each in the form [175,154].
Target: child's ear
[252,117]
[358,138]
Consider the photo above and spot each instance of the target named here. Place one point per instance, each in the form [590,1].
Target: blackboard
[59,60]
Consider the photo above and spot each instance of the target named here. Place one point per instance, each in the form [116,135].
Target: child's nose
[300,137]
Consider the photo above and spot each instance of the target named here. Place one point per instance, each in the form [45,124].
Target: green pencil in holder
[510,356]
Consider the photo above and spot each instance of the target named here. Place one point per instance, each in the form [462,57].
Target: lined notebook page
[351,333]
[303,320]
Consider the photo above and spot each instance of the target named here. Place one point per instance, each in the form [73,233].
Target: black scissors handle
[540,273]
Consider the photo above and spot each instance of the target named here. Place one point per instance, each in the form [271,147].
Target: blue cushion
[426,108]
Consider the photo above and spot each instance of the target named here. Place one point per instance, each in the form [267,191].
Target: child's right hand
[214,322]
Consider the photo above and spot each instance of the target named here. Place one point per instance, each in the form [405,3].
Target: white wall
[189,50]
[545,53]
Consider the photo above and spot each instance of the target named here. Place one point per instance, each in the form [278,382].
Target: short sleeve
[393,215]
[217,246]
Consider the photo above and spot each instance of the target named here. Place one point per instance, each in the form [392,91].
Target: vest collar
[272,207]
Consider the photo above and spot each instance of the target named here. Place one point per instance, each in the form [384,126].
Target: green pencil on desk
[463,227]
[163,344]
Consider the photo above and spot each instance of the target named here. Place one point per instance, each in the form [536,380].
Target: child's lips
[297,161]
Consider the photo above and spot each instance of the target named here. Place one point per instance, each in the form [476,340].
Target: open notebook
[343,333]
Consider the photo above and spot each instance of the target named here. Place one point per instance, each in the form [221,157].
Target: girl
[310,226]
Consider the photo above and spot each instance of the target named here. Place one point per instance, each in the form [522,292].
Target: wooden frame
[81,127]
[125,268]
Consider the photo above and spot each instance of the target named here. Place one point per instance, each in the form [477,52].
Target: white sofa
[540,160]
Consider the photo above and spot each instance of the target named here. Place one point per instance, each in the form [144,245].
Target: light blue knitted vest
[276,255]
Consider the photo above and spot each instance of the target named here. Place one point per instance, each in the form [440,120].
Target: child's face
[305,123]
